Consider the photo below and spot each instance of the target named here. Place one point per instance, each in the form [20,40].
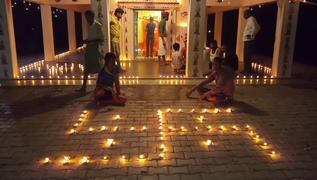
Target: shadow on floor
[242,107]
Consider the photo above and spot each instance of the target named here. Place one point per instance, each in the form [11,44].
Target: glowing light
[109,142]
[76,124]
[116,128]
[182,127]
[257,136]
[66,159]
[161,133]
[168,110]
[82,115]
[193,110]
[273,152]
[196,128]
[161,138]
[251,132]
[158,111]
[205,110]
[132,128]
[161,155]
[209,142]
[160,127]
[91,129]
[234,127]
[248,126]
[105,157]
[162,146]
[229,110]
[84,111]
[265,144]
[72,131]
[209,127]
[183,25]
[124,157]
[85,159]
[216,110]
[160,120]
[103,127]
[222,127]
[80,119]
[144,128]
[117,117]
[141,156]
[180,110]
[47,160]
[171,128]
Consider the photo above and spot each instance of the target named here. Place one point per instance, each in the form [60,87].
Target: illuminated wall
[145,15]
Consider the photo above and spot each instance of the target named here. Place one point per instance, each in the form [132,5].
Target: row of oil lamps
[162,146]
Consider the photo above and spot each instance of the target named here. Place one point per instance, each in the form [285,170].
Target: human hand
[114,94]
[189,93]
[202,97]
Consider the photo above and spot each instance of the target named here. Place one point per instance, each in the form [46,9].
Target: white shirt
[252,28]
[95,31]
[213,55]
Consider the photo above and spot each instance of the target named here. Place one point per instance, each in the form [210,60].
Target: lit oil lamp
[182,128]
[209,127]
[117,117]
[196,128]
[66,159]
[234,127]
[205,110]
[124,157]
[180,110]
[162,147]
[168,110]
[103,128]
[72,131]
[76,124]
[229,110]
[221,127]
[91,129]
[273,152]
[216,110]
[132,128]
[161,155]
[144,128]
[85,111]
[141,156]
[161,138]
[47,160]
[82,115]
[209,142]
[193,110]
[170,128]
[201,118]
[248,126]
[85,159]
[265,144]
[109,142]
[106,157]
[116,128]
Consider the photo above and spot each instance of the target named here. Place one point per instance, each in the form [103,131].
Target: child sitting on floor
[177,58]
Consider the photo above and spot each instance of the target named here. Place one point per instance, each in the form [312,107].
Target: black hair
[176,46]
[249,12]
[118,10]
[109,56]
[214,42]
[218,60]
[89,13]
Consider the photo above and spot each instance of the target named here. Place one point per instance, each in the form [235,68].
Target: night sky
[28,30]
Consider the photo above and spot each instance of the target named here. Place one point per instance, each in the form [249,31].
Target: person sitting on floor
[177,58]
[224,85]
[230,60]
[104,93]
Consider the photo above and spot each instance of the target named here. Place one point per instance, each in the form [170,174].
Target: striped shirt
[115,29]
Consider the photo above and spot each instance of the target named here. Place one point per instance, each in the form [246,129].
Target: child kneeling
[104,93]
[177,58]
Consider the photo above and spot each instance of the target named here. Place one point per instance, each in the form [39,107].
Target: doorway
[141,19]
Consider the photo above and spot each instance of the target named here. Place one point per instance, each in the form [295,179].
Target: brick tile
[179,155]
[92,173]
[262,159]
[254,175]
[146,177]
[296,165]
[152,163]
[233,175]
[138,170]
[221,168]
[278,166]
[33,175]
[131,177]
[169,177]
[158,170]
[189,143]
[311,173]
[238,167]
[182,149]
[143,150]
[54,174]
[207,161]
[189,155]
[295,174]
[139,144]
[167,162]
[212,176]
[178,170]
[12,175]
[117,172]
[221,161]
[191,177]
[181,162]
[108,164]
[258,167]
[75,174]
[10,168]
[274,174]
[127,163]
[212,154]
[129,150]
[198,169]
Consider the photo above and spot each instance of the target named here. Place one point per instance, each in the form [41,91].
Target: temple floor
[70,66]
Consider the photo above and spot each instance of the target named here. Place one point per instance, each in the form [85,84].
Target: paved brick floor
[35,123]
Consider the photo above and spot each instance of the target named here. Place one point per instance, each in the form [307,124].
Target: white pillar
[8,55]
[196,28]
[218,27]
[100,8]
[71,31]
[84,25]
[47,28]
[285,34]
[241,25]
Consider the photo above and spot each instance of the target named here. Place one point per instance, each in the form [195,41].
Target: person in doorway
[163,39]
[109,75]
[224,85]
[115,34]
[177,58]
[251,29]
[150,36]
[93,56]
[213,51]
[230,60]
[183,53]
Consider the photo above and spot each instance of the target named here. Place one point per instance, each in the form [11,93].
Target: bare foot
[81,90]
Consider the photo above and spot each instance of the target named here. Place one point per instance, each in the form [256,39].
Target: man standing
[162,39]
[150,36]
[115,34]
[93,56]
[251,29]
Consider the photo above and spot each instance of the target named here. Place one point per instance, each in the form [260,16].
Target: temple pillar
[47,29]
[285,34]
[218,27]
[8,55]
[241,25]
[71,31]
[100,8]
[196,36]
[84,25]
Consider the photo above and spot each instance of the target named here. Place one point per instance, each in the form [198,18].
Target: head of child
[110,61]
[176,47]
[118,12]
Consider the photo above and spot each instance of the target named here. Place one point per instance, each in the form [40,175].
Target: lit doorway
[141,19]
